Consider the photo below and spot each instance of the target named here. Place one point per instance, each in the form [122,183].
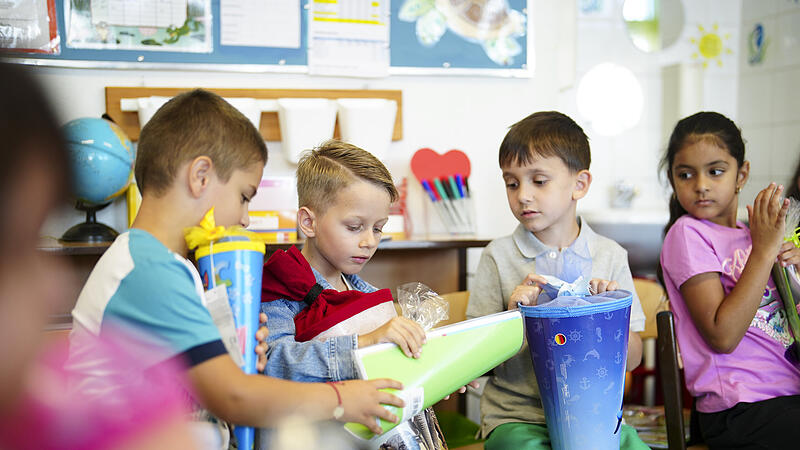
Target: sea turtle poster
[470,34]
[156,25]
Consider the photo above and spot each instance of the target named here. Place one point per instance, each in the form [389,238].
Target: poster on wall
[29,26]
[154,25]
[349,38]
[265,23]
[486,34]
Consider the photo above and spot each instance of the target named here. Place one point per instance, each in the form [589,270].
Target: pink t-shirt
[758,369]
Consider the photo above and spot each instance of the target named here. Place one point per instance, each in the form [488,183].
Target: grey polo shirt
[512,395]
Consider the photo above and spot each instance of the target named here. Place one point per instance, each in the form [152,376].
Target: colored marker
[460,184]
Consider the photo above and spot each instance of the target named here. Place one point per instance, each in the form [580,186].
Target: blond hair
[334,165]
[192,124]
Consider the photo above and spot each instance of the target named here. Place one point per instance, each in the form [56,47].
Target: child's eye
[540,181]
[245,199]
[684,175]
[511,185]
[354,227]
[377,230]
[716,172]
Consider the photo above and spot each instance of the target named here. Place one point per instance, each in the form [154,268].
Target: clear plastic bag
[567,273]
[422,305]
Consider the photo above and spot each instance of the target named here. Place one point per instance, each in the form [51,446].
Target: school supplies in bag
[420,304]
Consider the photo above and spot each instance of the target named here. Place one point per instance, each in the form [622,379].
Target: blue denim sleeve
[315,360]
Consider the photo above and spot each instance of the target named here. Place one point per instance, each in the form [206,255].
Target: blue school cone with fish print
[579,346]
[233,257]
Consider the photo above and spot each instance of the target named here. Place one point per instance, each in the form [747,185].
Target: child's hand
[262,346]
[474,383]
[789,254]
[598,286]
[362,399]
[527,292]
[767,216]
[406,333]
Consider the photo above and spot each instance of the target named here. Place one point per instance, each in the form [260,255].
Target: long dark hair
[702,125]
[793,190]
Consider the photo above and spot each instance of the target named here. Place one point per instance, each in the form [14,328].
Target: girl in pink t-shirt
[730,322]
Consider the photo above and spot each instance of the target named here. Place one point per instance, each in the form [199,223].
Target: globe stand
[91,230]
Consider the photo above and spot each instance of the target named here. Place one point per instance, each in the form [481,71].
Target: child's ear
[582,182]
[200,170]
[307,221]
[741,177]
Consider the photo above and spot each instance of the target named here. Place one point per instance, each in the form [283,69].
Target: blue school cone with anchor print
[579,346]
[233,257]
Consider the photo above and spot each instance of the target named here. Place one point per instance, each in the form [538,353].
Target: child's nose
[524,194]
[369,240]
[245,220]
[702,183]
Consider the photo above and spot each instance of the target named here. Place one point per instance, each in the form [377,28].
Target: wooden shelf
[56,247]
[438,261]
[129,120]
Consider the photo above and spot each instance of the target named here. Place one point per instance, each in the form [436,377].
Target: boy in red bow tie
[319,310]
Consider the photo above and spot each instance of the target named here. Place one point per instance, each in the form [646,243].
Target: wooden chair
[671,383]
[458,307]
[640,384]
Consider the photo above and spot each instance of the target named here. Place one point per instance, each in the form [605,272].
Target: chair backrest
[669,369]
[458,307]
[653,299]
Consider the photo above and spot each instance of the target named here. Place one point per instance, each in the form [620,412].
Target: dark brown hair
[793,190]
[331,167]
[546,133]
[192,124]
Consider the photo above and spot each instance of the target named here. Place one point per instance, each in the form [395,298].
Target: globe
[101,158]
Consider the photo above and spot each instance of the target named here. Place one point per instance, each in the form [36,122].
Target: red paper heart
[428,165]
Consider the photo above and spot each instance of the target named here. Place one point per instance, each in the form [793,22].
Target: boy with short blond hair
[344,194]
[197,153]
[319,310]
[545,162]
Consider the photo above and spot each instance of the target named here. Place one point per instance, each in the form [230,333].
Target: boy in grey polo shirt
[545,161]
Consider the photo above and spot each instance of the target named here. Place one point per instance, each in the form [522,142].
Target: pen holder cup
[236,262]
[368,123]
[304,124]
[579,355]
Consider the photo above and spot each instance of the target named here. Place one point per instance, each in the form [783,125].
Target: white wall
[769,92]
[633,155]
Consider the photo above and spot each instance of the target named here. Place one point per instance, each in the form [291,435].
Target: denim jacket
[315,360]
